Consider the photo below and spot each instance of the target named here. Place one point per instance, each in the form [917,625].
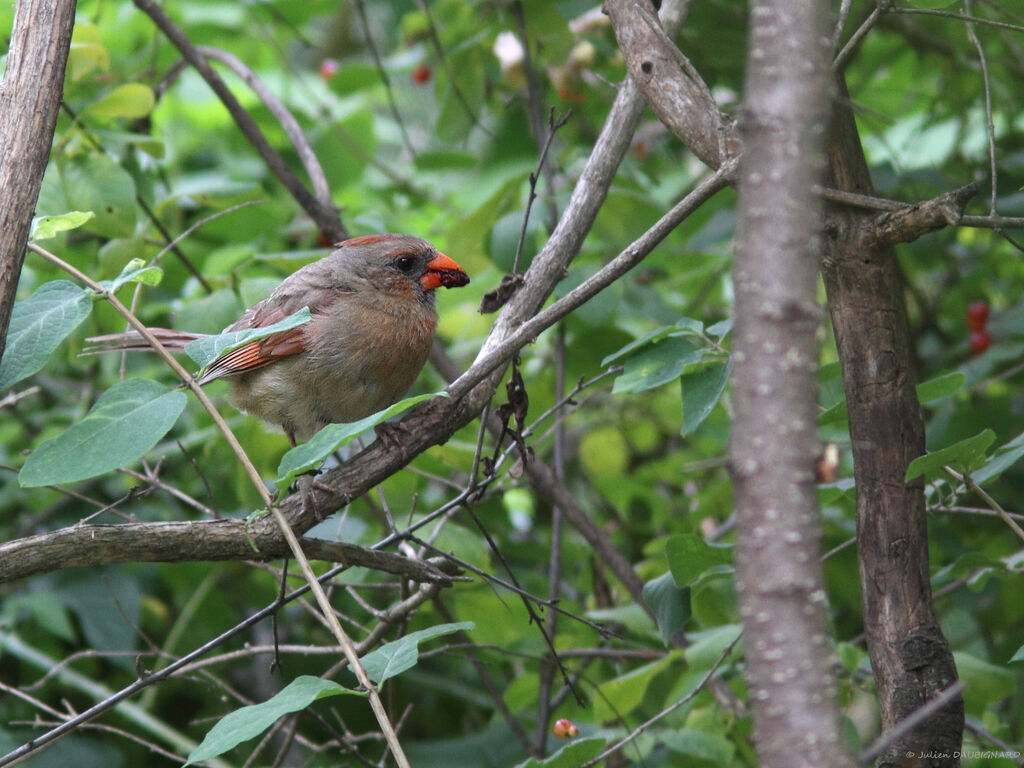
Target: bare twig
[990,126]
[957,16]
[643,727]
[383,73]
[993,504]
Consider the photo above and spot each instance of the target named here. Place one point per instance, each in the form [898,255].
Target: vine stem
[293,542]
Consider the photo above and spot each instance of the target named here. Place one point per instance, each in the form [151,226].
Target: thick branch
[29,99]
[908,224]
[670,84]
[92,545]
[910,658]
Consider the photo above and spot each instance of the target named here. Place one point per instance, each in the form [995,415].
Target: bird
[372,324]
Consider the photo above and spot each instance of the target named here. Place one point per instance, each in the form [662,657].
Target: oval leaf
[689,556]
[658,364]
[671,605]
[98,184]
[135,271]
[309,455]
[249,722]
[701,391]
[940,386]
[124,424]
[131,101]
[38,325]
[402,654]
[45,227]
[967,455]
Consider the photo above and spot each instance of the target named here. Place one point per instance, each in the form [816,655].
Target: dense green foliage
[645,452]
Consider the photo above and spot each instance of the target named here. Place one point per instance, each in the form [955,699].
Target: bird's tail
[133,340]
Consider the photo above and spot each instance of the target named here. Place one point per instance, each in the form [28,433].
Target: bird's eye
[406,263]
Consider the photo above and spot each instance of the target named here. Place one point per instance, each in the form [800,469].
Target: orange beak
[443,272]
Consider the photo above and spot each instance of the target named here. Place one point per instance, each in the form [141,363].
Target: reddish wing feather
[256,354]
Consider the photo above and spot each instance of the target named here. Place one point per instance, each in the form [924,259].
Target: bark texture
[779,576]
[30,95]
[910,657]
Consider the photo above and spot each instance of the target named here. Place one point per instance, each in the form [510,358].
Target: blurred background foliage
[438,142]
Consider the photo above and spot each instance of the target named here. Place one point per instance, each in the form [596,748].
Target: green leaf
[402,654]
[135,271]
[689,556]
[208,348]
[130,101]
[1018,656]
[968,454]
[1004,457]
[309,455]
[87,52]
[446,160]
[659,364]
[620,696]
[45,227]
[683,327]
[720,329]
[249,722]
[836,413]
[571,755]
[940,386]
[671,605]
[123,425]
[38,325]
[699,744]
[985,683]
[701,391]
[98,184]
[152,146]
[927,392]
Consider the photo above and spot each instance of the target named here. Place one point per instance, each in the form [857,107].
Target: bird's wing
[262,352]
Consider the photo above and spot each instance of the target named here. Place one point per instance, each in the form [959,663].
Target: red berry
[565,729]
[979,341]
[328,68]
[421,74]
[977,315]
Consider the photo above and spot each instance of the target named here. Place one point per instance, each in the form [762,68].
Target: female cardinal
[373,320]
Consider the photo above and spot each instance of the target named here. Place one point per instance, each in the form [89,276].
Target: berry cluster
[977,318]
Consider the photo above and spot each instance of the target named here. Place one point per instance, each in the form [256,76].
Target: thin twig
[990,125]
[993,504]
[669,709]
[452,81]
[383,73]
[843,57]
[553,126]
[957,16]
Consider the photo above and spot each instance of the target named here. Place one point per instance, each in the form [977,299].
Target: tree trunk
[774,441]
[29,98]
[910,657]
